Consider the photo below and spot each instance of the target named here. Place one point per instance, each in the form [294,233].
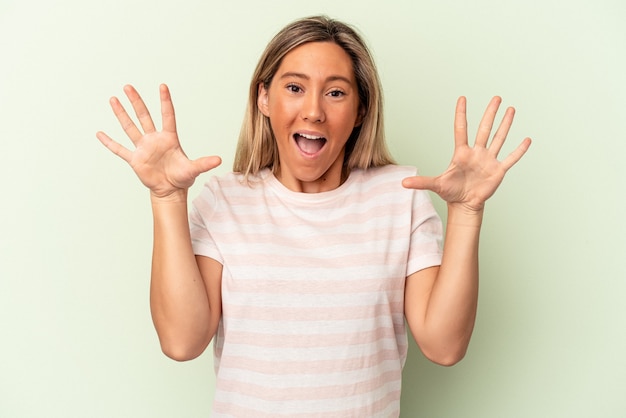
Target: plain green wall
[76,338]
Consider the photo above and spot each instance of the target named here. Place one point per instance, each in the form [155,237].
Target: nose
[313,108]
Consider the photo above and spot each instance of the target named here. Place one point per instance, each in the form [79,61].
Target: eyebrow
[306,77]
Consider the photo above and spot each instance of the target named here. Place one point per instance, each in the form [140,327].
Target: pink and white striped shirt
[313,291]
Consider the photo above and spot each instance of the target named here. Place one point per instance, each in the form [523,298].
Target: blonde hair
[366,146]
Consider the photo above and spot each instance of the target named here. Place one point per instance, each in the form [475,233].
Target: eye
[336,93]
[294,88]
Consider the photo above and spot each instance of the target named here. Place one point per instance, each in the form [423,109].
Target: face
[313,106]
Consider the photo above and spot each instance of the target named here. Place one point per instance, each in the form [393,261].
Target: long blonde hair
[366,146]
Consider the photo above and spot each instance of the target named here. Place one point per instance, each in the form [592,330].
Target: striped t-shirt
[313,291]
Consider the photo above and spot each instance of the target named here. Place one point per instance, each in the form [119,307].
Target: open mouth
[309,144]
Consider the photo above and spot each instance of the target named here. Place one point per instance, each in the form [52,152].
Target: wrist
[462,215]
[175,197]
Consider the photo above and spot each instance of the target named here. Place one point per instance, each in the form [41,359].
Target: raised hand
[158,159]
[475,172]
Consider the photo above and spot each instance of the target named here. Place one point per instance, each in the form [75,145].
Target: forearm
[453,301]
[178,297]
[441,309]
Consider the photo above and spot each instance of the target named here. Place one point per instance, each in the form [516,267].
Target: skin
[314,92]
[440,302]
[185,290]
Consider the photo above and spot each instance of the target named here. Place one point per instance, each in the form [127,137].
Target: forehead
[326,59]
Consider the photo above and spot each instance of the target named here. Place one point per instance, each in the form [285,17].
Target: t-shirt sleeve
[425,248]
[200,214]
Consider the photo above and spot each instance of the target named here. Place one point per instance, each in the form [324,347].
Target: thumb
[419,182]
[204,164]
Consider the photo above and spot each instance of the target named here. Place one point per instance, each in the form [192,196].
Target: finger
[460,123]
[116,148]
[420,183]
[204,164]
[167,109]
[502,132]
[517,154]
[140,109]
[125,121]
[486,123]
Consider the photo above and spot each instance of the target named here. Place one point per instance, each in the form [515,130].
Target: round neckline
[285,192]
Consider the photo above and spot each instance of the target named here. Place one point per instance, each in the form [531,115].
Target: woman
[305,261]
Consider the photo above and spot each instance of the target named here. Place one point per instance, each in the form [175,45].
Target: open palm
[158,159]
[474,173]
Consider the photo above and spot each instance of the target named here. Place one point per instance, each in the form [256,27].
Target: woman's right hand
[158,159]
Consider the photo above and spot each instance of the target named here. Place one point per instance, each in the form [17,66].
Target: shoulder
[236,183]
[389,171]
[385,182]
[384,176]
[227,189]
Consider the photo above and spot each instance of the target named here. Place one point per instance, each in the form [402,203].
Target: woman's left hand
[475,172]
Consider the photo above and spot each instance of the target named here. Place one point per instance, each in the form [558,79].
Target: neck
[330,180]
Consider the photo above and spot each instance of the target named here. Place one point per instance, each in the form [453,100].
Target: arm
[441,302]
[185,297]
[185,294]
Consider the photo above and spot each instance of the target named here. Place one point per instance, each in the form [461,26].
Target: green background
[76,339]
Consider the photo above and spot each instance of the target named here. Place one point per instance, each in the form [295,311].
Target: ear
[263,99]
[360,117]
